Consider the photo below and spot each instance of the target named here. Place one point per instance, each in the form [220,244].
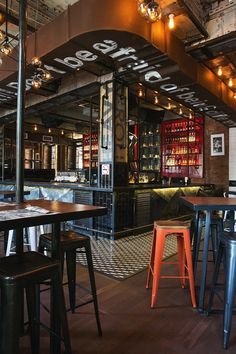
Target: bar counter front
[131,209]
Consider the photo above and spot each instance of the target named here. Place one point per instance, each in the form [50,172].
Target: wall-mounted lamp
[230,83]
[219,71]
[171,21]
[140,93]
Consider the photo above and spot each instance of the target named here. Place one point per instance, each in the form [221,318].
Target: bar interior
[117,152]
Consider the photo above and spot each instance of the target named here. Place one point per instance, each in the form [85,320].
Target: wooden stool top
[172,224]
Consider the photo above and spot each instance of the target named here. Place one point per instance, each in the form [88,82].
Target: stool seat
[27,271]
[173,224]
[72,243]
[24,266]
[67,238]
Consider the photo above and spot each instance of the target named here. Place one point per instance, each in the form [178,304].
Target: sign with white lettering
[132,59]
[105,169]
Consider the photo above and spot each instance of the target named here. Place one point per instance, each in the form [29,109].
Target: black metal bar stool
[227,249]
[71,243]
[216,229]
[27,271]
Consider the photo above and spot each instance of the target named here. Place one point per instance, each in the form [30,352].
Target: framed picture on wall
[217,145]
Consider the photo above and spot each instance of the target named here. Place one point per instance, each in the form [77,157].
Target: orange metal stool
[161,230]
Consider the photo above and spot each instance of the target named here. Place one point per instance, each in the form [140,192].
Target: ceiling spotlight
[142,7]
[36,61]
[171,22]
[219,71]
[230,82]
[36,82]
[153,12]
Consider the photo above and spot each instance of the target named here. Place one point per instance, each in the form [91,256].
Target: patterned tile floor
[122,258]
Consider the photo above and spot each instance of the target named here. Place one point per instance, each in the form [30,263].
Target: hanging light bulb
[36,61]
[153,11]
[142,7]
[36,82]
[62,132]
[171,22]
[35,128]
[6,49]
[46,75]
[49,130]
[230,82]
[180,111]
[169,106]
[140,93]
[190,115]
[156,100]
[219,71]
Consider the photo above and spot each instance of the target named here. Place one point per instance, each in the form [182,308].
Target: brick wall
[216,168]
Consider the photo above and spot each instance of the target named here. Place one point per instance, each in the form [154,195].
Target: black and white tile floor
[124,257]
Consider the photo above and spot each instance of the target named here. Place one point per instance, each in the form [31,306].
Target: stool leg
[215,277]
[60,304]
[93,285]
[181,260]
[151,263]
[33,303]
[187,246]
[9,324]
[71,274]
[230,287]
[159,248]
[196,244]
[9,242]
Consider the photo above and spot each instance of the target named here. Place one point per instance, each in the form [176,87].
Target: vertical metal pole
[21,103]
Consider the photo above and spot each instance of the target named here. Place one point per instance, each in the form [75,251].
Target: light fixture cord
[6,19]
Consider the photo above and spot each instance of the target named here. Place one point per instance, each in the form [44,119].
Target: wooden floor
[131,327]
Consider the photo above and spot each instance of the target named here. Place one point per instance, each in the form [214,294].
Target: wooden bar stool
[27,271]
[161,230]
[72,243]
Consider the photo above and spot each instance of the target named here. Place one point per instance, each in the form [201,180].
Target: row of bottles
[93,159]
[179,126]
[182,147]
[182,161]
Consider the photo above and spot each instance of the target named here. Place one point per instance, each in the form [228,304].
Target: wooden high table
[57,212]
[208,205]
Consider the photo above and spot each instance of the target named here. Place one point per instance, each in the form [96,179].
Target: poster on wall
[217,145]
